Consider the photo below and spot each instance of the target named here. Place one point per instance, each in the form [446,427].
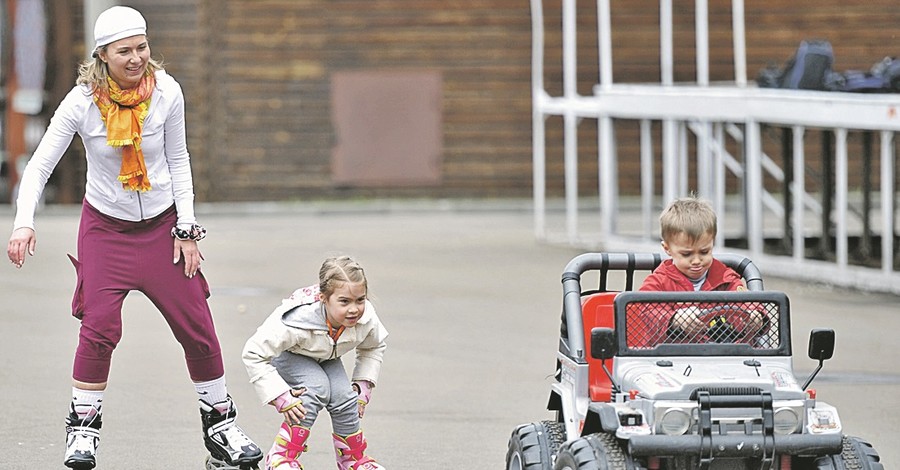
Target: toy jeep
[634,390]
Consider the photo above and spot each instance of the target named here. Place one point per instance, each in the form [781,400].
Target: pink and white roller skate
[350,453]
[290,442]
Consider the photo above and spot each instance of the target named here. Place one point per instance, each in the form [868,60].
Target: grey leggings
[327,386]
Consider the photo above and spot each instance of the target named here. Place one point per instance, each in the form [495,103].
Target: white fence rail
[714,116]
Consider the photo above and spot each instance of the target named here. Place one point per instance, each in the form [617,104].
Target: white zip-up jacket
[165,154]
[298,325]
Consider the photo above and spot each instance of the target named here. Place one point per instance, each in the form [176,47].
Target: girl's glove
[364,389]
[290,405]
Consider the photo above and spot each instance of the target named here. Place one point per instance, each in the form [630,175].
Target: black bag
[808,69]
[883,77]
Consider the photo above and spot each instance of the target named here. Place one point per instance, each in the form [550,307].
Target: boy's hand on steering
[755,323]
[689,322]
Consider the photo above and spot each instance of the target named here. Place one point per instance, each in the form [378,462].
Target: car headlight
[786,421]
[675,422]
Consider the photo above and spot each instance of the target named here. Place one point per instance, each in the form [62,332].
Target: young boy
[688,229]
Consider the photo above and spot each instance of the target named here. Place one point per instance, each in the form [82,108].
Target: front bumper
[734,445]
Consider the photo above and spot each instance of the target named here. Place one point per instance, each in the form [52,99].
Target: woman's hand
[21,240]
[192,256]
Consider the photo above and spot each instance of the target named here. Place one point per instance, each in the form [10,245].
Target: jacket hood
[303,309]
[306,317]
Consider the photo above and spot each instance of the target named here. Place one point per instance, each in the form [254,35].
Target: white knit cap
[117,23]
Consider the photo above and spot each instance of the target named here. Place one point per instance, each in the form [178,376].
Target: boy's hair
[691,216]
[337,270]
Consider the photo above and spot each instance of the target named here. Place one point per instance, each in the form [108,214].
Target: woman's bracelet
[196,233]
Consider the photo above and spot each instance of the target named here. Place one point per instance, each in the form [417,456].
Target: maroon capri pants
[117,257]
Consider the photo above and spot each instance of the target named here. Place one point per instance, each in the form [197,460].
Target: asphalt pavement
[470,298]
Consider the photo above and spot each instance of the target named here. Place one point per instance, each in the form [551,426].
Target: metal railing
[713,116]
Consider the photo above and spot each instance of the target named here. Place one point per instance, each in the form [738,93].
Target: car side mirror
[821,344]
[603,343]
[821,348]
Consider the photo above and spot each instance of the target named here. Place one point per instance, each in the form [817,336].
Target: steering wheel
[726,324]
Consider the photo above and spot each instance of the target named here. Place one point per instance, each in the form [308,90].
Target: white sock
[212,392]
[85,403]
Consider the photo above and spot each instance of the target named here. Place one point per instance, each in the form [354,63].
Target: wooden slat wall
[272,101]
[256,76]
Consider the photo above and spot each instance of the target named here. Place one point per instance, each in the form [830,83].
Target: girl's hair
[93,71]
[337,270]
[691,216]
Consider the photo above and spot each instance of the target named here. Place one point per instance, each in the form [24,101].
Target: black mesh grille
[651,323]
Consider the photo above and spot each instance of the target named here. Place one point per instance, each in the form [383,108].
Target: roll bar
[629,262]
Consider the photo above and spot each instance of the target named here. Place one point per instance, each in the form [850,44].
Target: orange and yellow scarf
[123,112]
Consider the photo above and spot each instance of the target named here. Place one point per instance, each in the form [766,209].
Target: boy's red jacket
[666,277]
[650,328]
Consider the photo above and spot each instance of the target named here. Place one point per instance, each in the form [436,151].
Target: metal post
[608,174]
[608,177]
[787,153]
[826,192]
[739,43]
[570,163]
[701,28]
[799,191]
[669,129]
[570,120]
[666,60]
[704,159]
[670,160]
[719,177]
[887,201]
[538,120]
[604,43]
[840,196]
[865,240]
[570,49]
[647,176]
[753,182]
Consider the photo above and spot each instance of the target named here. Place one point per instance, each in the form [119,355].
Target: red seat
[597,311]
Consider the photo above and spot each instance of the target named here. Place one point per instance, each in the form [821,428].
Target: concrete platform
[472,303]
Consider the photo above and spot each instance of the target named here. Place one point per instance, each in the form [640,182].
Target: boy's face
[692,258]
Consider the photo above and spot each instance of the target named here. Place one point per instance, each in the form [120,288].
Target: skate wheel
[209,464]
[213,463]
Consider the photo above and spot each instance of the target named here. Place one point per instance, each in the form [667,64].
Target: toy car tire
[533,446]
[593,452]
[856,454]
